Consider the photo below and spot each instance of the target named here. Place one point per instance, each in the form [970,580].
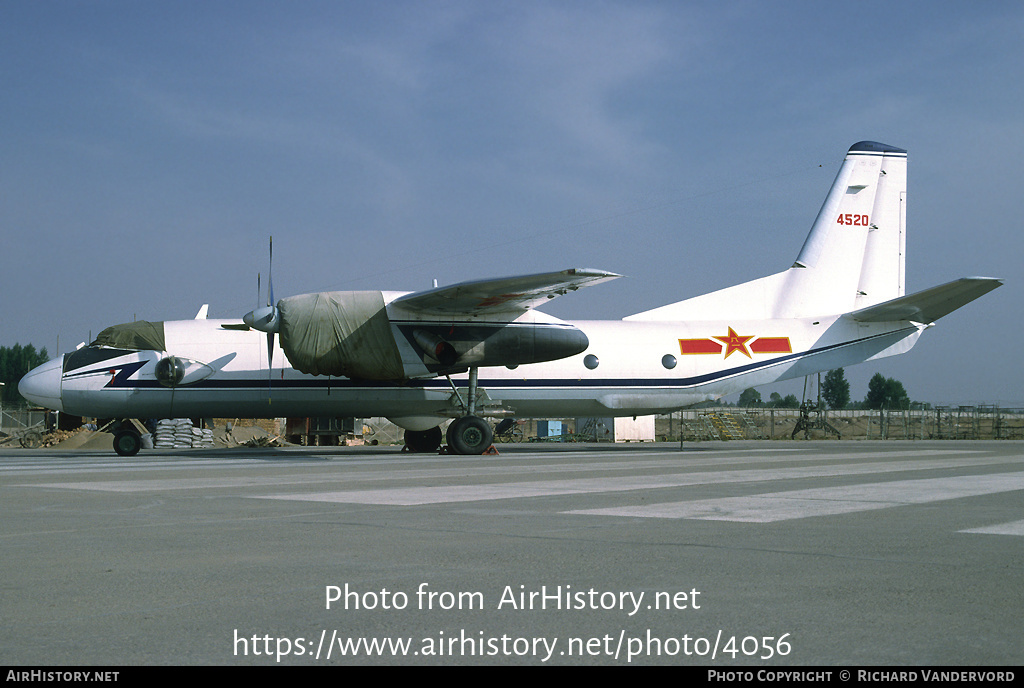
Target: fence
[943,422]
[12,421]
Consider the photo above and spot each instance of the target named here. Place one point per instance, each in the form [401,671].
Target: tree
[778,401]
[790,402]
[886,393]
[15,361]
[836,389]
[750,397]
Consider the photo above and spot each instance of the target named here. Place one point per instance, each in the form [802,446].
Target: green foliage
[886,393]
[750,397]
[836,389]
[776,400]
[790,402]
[15,361]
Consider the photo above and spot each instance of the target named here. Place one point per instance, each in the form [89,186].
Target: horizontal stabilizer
[929,305]
[502,295]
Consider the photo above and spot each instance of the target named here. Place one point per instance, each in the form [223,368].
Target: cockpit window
[138,335]
[88,355]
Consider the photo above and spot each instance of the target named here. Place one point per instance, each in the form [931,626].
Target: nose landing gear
[127,436]
[127,442]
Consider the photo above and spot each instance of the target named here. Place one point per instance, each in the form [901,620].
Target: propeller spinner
[263,319]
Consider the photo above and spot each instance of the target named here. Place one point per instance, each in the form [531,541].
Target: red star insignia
[735,342]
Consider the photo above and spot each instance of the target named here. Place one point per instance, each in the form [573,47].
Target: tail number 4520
[855,220]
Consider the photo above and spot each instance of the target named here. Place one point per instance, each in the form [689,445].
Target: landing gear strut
[469,434]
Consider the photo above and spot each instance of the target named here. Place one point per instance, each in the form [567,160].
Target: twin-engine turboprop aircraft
[481,350]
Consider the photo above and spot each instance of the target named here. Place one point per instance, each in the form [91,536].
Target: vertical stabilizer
[853,257]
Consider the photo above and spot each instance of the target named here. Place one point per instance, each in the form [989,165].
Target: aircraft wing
[502,295]
[931,304]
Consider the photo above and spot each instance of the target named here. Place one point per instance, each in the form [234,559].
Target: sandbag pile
[202,438]
[178,433]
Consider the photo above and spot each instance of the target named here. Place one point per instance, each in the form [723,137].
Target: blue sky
[149,149]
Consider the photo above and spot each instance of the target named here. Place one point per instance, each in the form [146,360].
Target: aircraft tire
[423,441]
[127,443]
[470,435]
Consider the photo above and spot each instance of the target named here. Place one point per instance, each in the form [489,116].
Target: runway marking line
[825,501]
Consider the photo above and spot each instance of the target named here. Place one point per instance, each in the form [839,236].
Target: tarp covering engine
[341,333]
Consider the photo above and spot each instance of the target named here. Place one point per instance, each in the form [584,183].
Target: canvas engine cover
[340,333]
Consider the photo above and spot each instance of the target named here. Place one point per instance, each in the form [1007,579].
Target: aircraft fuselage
[629,368]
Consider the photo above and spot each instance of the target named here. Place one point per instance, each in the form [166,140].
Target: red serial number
[855,220]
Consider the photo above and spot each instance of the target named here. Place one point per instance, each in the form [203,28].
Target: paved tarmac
[720,555]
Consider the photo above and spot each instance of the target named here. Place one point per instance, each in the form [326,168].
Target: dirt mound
[86,439]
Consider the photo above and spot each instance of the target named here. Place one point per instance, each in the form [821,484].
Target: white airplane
[481,349]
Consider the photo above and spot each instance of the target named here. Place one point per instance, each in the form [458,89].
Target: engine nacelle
[340,333]
[460,345]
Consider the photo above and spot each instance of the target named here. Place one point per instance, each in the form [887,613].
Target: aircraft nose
[42,385]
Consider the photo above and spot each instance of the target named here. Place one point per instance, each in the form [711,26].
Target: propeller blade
[270,275]
[270,365]
[273,316]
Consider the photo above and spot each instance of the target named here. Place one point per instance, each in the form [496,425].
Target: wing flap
[929,305]
[502,295]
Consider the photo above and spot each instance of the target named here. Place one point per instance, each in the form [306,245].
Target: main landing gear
[423,441]
[469,435]
[466,435]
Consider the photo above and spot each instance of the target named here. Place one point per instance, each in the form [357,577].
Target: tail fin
[852,259]
[854,256]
